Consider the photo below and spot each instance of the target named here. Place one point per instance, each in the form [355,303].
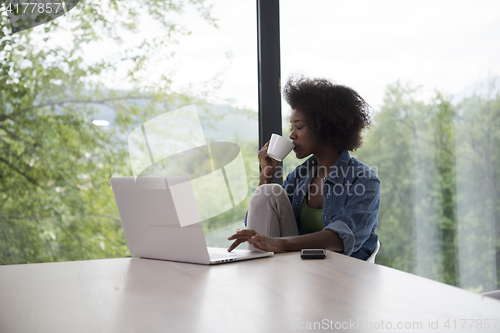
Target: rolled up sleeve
[358,216]
[345,233]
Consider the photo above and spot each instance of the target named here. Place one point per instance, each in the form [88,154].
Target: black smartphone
[313,254]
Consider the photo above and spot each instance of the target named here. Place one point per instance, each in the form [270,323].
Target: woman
[331,201]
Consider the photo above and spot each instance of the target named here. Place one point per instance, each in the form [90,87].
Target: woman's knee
[266,193]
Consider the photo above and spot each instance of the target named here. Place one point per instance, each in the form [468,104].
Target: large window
[74,89]
[431,73]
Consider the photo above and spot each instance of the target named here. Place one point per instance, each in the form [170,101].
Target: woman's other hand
[258,241]
[240,236]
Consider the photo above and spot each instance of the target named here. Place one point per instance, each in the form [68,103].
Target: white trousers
[270,212]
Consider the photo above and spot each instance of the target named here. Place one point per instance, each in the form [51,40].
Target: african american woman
[330,201]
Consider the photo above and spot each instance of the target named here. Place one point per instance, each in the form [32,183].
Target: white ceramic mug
[279,147]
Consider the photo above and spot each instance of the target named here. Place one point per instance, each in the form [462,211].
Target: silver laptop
[153,230]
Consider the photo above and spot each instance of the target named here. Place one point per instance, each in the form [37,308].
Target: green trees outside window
[438,162]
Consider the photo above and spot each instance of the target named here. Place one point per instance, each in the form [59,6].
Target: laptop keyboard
[221,255]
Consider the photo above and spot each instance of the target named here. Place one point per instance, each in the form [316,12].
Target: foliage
[56,202]
[437,162]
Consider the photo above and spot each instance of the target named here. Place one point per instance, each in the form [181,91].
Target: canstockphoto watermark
[356,324]
[26,14]
[469,324]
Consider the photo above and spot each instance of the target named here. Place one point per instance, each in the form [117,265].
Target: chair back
[372,257]
[493,294]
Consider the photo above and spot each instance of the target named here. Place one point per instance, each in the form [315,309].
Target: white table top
[277,294]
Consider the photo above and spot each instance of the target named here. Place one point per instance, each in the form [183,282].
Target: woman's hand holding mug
[270,156]
[268,165]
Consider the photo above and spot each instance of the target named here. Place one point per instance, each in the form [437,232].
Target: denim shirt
[351,201]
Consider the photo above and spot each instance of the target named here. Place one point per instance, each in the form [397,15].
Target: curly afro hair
[335,114]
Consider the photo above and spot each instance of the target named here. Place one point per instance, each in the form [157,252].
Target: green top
[311,218]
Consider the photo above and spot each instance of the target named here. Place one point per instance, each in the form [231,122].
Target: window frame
[269,71]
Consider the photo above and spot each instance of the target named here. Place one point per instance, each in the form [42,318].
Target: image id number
[35,8]
[471,324]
